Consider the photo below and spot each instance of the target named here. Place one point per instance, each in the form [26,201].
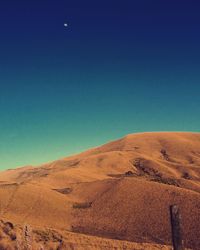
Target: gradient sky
[116,69]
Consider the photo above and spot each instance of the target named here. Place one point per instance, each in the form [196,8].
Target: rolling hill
[115,196]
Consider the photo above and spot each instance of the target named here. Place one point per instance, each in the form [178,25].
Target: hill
[121,191]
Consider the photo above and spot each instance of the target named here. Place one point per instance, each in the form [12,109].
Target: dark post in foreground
[176,228]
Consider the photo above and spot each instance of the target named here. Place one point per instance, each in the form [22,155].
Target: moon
[65,25]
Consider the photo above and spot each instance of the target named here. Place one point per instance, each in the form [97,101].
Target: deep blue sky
[117,68]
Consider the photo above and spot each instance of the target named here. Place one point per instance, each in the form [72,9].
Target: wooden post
[176,228]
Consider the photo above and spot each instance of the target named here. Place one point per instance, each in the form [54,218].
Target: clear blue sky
[116,69]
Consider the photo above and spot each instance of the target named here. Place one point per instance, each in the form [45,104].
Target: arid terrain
[115,196]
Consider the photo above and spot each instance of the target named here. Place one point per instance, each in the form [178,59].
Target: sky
[117,68]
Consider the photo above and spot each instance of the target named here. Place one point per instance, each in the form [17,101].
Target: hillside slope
[121,190]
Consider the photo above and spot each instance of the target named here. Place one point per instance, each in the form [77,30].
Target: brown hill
[121,190]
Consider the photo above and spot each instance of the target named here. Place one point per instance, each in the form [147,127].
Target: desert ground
[116,196]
